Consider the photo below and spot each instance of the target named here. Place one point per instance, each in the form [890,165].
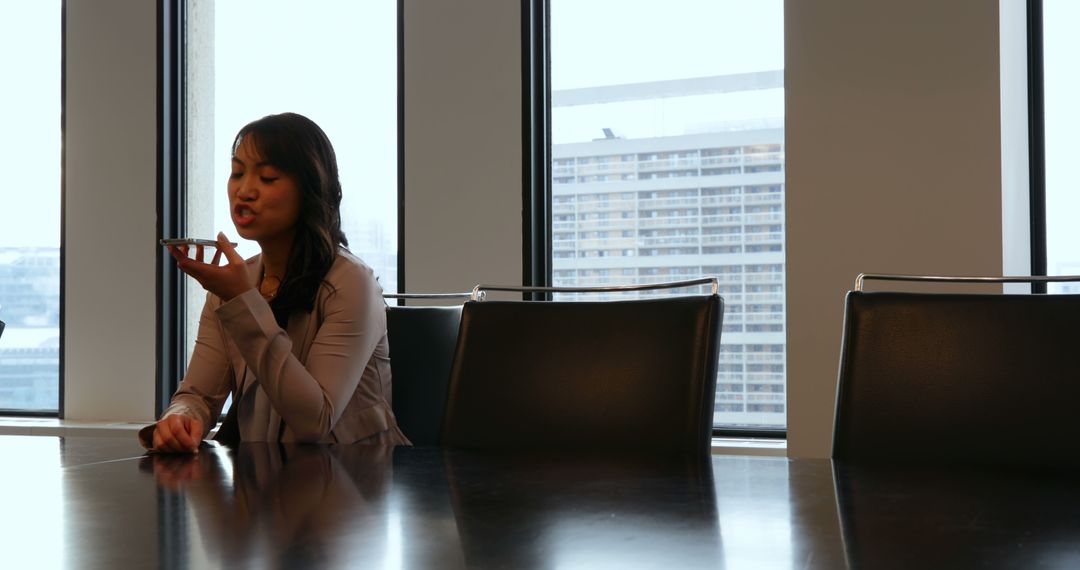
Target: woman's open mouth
[243,215]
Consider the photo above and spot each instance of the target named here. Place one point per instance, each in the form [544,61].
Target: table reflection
[904,516]
[90,503]
[298,506]
[317,506]
[102,505]
[584,511]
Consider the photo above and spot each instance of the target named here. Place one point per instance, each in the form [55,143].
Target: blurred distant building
[30,345]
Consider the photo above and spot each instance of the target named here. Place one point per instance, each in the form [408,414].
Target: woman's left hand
[225,281]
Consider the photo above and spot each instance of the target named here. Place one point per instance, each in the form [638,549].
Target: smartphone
[192,241]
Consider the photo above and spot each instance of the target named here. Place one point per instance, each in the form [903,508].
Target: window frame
[536,248]
[170,200]
[1036,143]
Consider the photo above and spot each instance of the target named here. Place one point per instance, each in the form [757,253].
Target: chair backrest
[422,341]
[585,375]
[958,378]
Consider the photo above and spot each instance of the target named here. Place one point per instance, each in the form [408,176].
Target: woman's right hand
[225,281]
[177,433]
[174,471]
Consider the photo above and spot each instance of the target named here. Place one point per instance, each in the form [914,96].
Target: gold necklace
[268,287]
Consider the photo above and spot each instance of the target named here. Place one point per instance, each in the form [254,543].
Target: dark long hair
[296,145]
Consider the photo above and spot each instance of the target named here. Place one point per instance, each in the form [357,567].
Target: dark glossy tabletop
[99,503]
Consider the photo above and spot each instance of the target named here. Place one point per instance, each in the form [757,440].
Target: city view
[667,128]
[30,346]
[664,208]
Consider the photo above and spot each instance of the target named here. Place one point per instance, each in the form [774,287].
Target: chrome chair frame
[863,277]
[407,296]
[480,291]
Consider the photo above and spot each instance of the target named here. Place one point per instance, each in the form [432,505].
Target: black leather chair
[1,328]
[637,375]
[980,379]
[422,342]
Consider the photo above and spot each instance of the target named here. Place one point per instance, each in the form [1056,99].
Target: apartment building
[634,211]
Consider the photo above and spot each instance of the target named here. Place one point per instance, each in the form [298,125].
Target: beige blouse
[324,379]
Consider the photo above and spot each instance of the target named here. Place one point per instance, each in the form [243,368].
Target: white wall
[1015,193]
[893,166]
[462,144]
[110,210]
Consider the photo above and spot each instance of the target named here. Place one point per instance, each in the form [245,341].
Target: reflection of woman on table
[297,334]
[298,505]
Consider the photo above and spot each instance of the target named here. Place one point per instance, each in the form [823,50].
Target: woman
[296,334]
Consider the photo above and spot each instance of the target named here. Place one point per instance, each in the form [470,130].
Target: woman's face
[264,201]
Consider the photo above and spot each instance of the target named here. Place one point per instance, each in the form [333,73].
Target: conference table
[77,502]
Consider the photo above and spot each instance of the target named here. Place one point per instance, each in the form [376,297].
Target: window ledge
[749,446]
[58,427]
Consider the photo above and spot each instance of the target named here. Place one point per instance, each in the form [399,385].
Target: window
[332,61]
[694,112]
[1060,89]
[30,53]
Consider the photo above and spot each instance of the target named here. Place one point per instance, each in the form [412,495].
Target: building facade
[646,210]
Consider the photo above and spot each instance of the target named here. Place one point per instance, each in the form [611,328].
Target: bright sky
[612,42]
[1062,87]
[334,61]
[30,136]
